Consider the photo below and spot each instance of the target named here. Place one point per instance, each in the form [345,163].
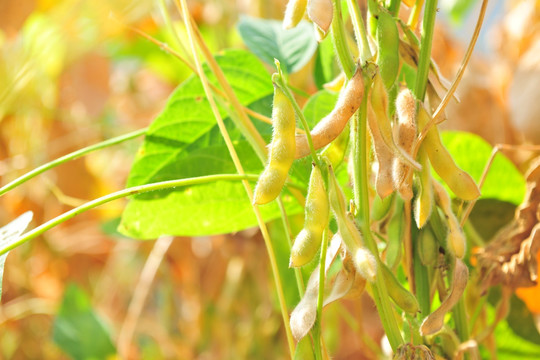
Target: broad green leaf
[510,346]
[504,182]
[9,234]
[326,66]
[304,349]
[184,141]
[268,40]
[78,330]
[318,106]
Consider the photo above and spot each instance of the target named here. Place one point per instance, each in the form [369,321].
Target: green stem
[393,7]
[71,156]
[460,319]
[340,41]
[361,199]
[424,62]
[359,31]
[320,298]
[168,22]
[118,195]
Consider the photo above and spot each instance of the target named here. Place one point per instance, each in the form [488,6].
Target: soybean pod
[435,321]
[384,184]
[423,203]
[455,241]
[282,150]
[387,36]
[401,296]
[316,217]
[379,103]
[406,135]
[294,12]
[461,183]
[332,125]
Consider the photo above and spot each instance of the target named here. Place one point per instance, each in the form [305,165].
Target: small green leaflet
[9,234]
[268,40]
[78,330]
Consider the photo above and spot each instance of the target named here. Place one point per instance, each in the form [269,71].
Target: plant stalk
[359,31]
[135,190]
[424,61]
[361,199]
[71,156]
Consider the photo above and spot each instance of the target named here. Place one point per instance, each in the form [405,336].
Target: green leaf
[184,141]
[9,234]
[326,66]
[521,321]
[318,106]
[458,9]
[78,330]
[304,350]
[504,182]
[268,40]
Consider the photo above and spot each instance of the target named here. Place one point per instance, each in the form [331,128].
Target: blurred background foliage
[72,73]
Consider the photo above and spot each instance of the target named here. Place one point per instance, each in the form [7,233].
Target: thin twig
[140,294]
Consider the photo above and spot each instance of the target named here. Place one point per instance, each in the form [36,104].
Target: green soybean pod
[460,182]
[387,36]
[282,150]
[308,241]
[401,296]
[428,248]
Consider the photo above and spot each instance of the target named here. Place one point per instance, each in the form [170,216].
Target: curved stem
[135,190]
[450,93]
[359,31]
[394,7]
[320,296]
[71,156]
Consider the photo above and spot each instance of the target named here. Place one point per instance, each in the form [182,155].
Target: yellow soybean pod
[317,213]
[461,183]
[282,150]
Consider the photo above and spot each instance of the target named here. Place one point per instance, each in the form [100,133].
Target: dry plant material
[510,258]
[333,124]
[411,352]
